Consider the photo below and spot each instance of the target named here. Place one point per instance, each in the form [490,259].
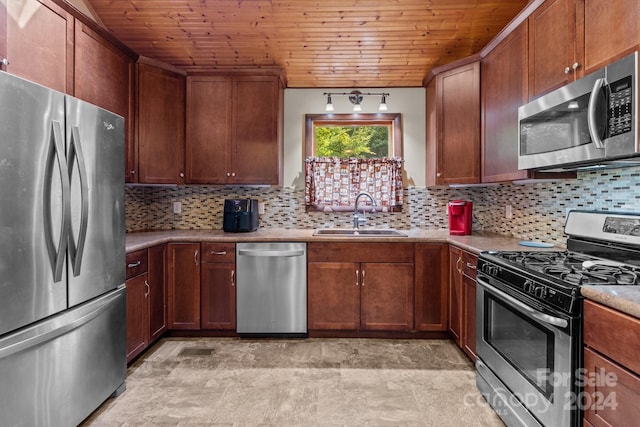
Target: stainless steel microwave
[590,122]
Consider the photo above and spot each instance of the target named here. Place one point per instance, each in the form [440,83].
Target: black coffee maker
[240,215]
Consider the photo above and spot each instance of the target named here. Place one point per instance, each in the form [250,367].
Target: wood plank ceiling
[319,43]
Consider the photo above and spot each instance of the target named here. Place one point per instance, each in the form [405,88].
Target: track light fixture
[356,97]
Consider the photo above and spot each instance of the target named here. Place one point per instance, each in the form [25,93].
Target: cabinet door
[431,287]
[611,31]
[218,296]
[334,295]
[256,148]
[183,262]
[455,294]
[552,46]
[104,76]
[458,123]
[208,129]
[137,331]
[504,89]
[387,296]
[160,126]
[39,42]
[469,316]
[157,293]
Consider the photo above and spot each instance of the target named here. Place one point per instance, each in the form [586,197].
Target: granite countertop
[477,242]
[623,298]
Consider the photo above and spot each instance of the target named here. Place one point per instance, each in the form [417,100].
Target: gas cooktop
[573,268]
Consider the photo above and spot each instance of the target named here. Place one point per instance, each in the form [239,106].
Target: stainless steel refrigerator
[62,256]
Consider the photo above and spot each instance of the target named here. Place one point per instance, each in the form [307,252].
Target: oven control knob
[528,286]
[540,292]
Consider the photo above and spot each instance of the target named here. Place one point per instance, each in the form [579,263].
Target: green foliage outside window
[352,141]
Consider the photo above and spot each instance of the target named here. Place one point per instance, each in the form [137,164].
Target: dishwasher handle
[271,253]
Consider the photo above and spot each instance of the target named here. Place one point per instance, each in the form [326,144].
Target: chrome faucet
[357,220]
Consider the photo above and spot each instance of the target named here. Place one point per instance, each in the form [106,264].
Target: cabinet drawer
[612,333]
[469,264]
[611,393]
[136,263]
[218,252]
[360,252]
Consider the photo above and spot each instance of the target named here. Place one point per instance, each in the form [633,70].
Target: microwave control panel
[620,102]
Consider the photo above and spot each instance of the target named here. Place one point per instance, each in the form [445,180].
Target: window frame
[393,119]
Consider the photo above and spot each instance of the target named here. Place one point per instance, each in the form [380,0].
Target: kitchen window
[350,153]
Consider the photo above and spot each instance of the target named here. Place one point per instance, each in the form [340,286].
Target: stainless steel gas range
[529,317]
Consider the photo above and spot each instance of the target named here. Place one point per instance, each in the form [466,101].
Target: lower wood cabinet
[612,367]
[157,292]
[183,279]
[146,299]
[431,287]
[462,299]
[470,262]
[137,315]
[218,286]
[360,286]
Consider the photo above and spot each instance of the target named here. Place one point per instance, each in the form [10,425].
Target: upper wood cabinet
[234,129]
[37,42]
[160,125]
[104,76]
[208,128]
[504,89]
[569,39]
[552,46]
[610,30]
[453,126]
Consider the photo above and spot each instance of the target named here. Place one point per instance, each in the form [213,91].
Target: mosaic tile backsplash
[539,209]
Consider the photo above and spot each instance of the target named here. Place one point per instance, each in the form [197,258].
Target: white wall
[408,101]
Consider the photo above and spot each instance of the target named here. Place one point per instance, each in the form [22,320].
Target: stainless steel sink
[358,233]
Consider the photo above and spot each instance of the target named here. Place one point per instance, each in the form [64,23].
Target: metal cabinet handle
[575,66]
[228,174]
[363,272]
[357,278]
[218,252]
[567,70]
[471,266]
[233,277]
[5,62]
[132,172]
[233,174]
[181,174]
[134,264]
[195,257]
[146,294]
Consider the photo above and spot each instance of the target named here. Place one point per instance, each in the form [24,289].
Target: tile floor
[310,382]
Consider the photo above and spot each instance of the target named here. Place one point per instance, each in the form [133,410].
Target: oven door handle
[554,321]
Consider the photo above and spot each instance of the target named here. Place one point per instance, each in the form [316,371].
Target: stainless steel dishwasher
[271,288]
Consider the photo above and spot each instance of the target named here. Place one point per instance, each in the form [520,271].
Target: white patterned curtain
[332,183]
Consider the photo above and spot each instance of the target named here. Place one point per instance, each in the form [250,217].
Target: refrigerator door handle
[56,152]
[75,156]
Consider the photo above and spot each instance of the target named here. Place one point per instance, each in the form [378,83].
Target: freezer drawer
[58,371]
[271,288]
